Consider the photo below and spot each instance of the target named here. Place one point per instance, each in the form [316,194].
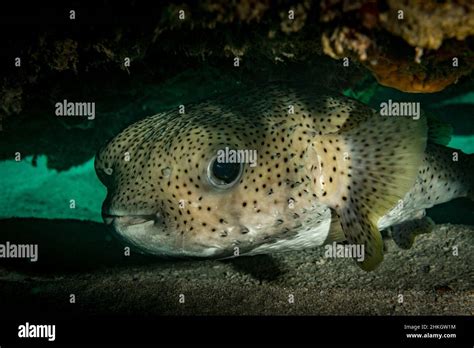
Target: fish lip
[129,219]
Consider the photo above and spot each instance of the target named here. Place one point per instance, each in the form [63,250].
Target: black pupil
[226,172]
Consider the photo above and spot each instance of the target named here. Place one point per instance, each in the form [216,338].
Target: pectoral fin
[336,234]
[364,170]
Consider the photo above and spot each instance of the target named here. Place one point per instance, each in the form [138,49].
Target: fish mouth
[129,220]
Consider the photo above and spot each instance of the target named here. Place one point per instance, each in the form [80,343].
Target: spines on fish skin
[364,170]
[254,212]
[170,153]
[446,174]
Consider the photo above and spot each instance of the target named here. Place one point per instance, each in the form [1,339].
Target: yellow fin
[335,234]
[363,171]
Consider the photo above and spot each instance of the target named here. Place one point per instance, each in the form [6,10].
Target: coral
[295,18]
[10,100]
[64,55]
[345,41]
[408,45]
[427,24]
[433,75]
[368,31]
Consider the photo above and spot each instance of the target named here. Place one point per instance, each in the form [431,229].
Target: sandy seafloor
[82,258]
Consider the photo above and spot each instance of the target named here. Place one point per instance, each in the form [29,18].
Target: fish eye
[224,174]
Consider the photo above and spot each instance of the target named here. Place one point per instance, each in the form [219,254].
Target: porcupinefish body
[324,167]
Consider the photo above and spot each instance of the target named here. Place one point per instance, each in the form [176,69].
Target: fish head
[208,185]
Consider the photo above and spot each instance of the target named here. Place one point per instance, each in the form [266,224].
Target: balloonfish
[274,169]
